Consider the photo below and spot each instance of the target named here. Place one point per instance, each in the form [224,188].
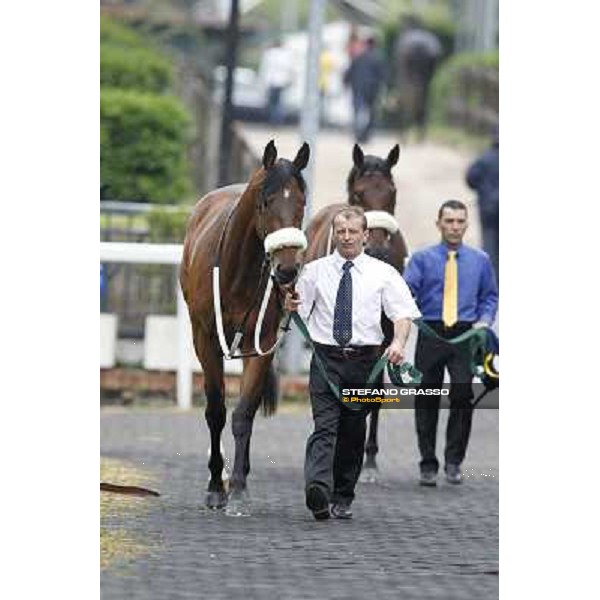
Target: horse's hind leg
[255,381]
[369,472]
[215,415]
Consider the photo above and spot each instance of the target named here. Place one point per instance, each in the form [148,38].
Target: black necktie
[342,316]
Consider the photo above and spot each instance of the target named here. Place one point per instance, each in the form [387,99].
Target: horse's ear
[357,156]
[270,155]
[302,157]
[393,156]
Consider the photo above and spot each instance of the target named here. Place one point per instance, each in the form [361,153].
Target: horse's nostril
[285,276]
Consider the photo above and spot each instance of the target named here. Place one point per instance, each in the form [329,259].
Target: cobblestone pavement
[404,541]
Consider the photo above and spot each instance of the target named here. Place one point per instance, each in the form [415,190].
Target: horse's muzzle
[380,253]
[285,276]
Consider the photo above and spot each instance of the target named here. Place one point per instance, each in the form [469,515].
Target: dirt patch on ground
[116,544]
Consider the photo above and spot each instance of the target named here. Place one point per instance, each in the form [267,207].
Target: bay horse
[370,185]
[243,243]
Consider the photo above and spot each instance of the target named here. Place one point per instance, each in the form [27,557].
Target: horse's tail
[270,393]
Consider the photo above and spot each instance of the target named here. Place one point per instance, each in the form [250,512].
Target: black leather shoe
[453,474]
[428,478]
[317,502]
[341,511]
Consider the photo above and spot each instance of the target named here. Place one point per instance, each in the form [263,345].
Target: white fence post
[184,368]
[167,254]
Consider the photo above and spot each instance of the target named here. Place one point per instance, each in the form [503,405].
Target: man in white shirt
[342,296]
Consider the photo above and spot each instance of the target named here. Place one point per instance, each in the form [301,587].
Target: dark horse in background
[252,234]
[370,185]
[417,55]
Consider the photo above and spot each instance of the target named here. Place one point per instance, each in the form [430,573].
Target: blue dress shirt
[477,289]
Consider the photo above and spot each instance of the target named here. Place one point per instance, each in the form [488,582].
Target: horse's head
[280,210]
[371,186]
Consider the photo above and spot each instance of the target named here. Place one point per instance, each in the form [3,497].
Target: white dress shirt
[375,286]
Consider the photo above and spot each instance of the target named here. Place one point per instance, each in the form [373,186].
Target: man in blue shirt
[455,289]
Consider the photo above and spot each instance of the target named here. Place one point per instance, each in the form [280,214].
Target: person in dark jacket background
[483,177]
[365,77]
[418,52]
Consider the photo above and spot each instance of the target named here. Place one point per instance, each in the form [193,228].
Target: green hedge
[167,225]
[445,81]
[114,33]
[137,68]
[143,141]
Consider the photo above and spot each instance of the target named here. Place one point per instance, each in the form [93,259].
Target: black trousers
[335,449]
[431,357]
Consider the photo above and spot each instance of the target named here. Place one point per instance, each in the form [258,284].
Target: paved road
[404,542]
[426,175]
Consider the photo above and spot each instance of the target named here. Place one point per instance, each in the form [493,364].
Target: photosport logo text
[387,395]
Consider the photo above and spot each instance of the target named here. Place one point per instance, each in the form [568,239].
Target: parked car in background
[249,95]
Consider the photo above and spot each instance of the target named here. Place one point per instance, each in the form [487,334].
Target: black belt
[449,331]
[348,352]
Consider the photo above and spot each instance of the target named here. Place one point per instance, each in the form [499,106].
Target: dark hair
[352,211]
[453,204]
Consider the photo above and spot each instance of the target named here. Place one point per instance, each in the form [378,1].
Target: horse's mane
[371,164]
[268,182]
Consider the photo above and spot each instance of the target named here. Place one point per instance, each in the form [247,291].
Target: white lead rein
[289,236]
[233,352]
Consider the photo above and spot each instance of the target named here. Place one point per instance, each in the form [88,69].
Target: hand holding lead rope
[292,301]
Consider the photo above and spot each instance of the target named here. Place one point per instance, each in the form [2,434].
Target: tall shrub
[117,34]
[446,81]
[143,140]
[143,130]
[136,68]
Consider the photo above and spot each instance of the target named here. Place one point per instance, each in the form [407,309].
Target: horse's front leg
[257,384]
[215,415]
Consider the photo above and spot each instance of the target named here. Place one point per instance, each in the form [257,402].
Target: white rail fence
[165,254]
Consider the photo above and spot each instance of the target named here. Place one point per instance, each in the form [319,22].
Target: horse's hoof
[369,475]
[238,504]
[216,500]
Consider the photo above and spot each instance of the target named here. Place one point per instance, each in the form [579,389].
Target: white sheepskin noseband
[379,219]
[288,237]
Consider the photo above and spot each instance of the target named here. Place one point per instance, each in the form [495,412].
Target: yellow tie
[450,302]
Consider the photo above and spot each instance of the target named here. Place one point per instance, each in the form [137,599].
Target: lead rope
[401,375]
